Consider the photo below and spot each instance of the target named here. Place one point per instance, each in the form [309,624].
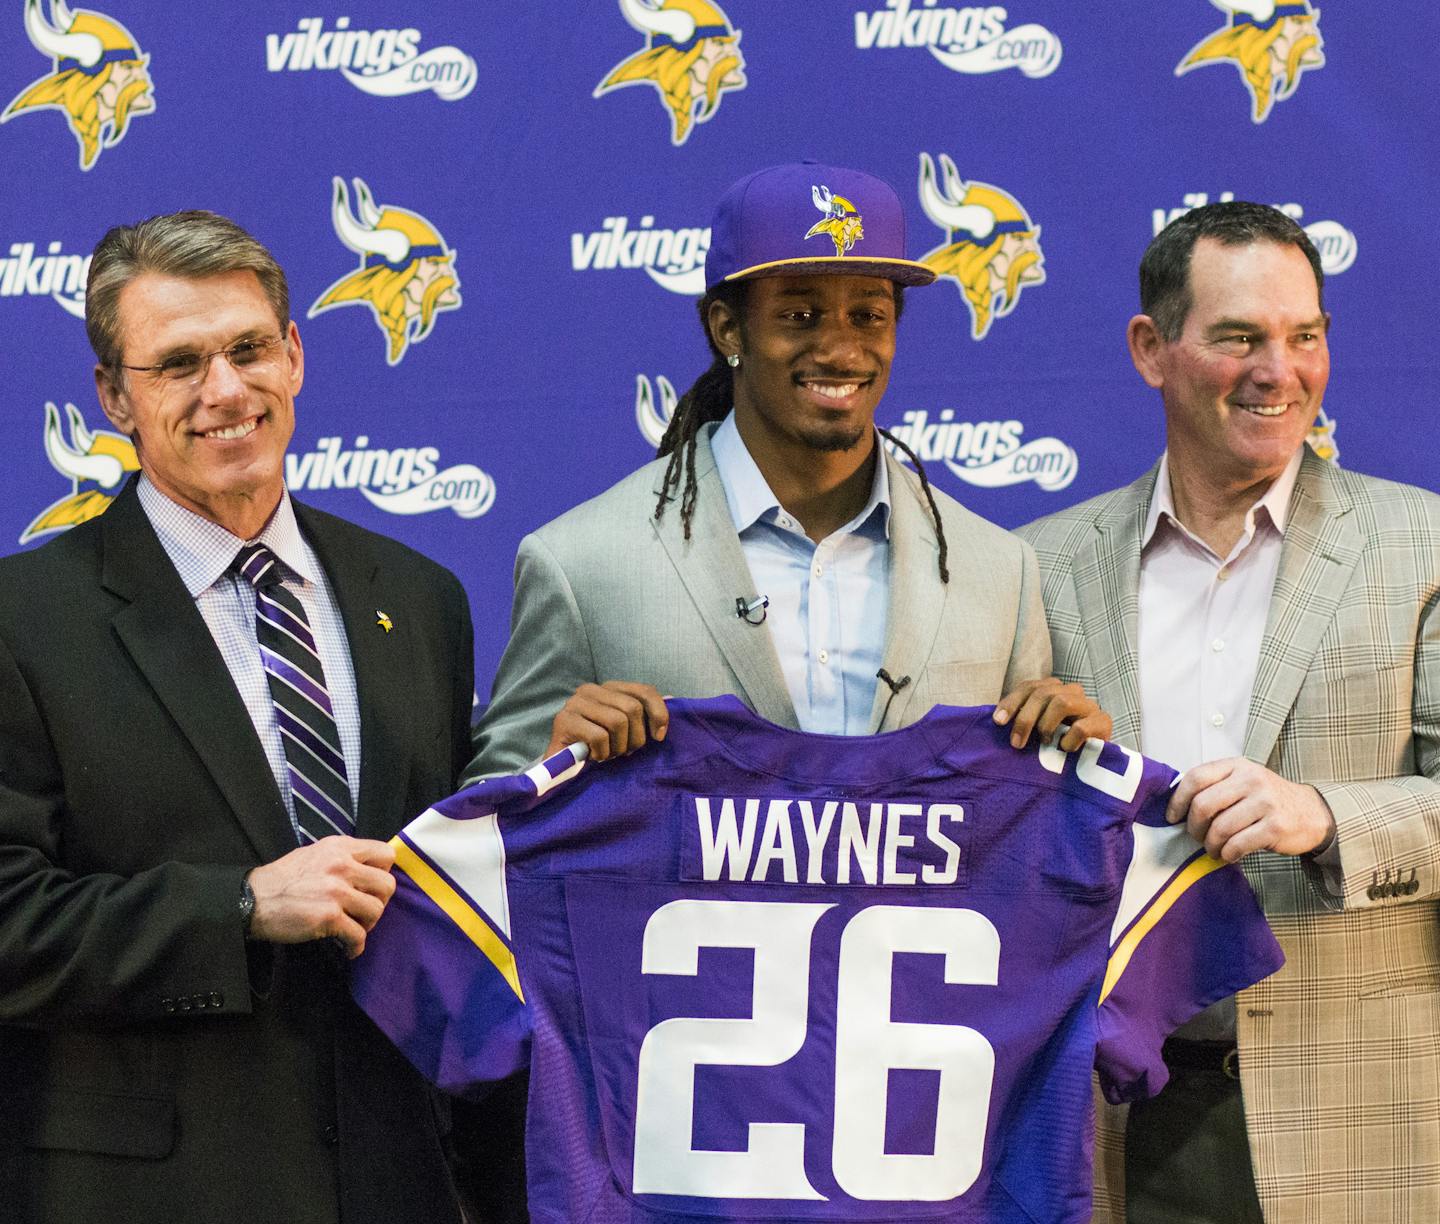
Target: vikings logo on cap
[991,248]
[406,274]
[691,56]
[99,78]
[1271,42]
[96,464]
[841,223]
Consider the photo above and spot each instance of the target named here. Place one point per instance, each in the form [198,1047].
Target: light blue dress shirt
[828,601]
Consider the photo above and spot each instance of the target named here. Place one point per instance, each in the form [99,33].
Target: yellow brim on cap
[902,271]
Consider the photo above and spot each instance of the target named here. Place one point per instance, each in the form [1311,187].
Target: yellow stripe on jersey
[460,912]
[1197,869]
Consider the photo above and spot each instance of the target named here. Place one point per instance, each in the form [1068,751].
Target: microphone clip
[895,687]
[745,608]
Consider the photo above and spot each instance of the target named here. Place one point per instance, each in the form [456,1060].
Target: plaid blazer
[1340,1050]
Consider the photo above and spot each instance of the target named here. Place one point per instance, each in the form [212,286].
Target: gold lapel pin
[383,621]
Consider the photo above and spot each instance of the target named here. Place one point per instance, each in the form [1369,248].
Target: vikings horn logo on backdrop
[991,248]
[99,78]
[406,274]
[1322,437]
[691,56]
[841,222]
[95,464]
[1271,42]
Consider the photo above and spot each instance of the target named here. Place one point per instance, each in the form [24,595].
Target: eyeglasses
[254,355]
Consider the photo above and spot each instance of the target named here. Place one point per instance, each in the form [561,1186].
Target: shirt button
[1217,720]
[818,570]
[1217,645]
[1222,574]
[824,656]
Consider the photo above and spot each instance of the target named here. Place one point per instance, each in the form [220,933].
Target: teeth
[231,432]
[1268,410]
[834,391]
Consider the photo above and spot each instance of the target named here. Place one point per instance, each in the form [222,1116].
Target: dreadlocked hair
[711,398]
[929,497]
[708,400]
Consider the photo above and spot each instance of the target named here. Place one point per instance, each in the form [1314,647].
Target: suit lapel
[170,644]
[381,663]
[917,597]
[1107,590]
[1321,549]
[711,566]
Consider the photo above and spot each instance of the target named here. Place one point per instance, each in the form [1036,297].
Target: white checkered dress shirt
[202,552]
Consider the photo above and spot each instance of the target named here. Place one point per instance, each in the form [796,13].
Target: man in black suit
[176,1037]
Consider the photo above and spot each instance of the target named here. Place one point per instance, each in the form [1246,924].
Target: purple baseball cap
[807,219]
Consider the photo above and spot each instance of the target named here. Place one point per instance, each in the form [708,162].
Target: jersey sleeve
[1188,932]
[439,974]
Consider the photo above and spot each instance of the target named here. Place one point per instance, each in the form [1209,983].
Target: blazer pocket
[1357,692]
[109,1123]
[973,682]
[1410,986]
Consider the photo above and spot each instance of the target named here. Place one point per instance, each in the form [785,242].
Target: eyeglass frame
[265,343]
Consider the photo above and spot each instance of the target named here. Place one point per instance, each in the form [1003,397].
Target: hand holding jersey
[1236,806]
[335,888]
[620,717]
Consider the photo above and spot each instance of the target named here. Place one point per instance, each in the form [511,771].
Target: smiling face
[214,444]
[815,354]
[1243,381]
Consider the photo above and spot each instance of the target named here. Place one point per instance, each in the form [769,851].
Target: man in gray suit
[1271,624]
[776,551]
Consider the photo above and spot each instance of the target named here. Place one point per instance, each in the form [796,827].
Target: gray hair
[191,244]
[1165,266]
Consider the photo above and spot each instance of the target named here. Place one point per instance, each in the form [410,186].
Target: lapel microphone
[747,606]
[894,686]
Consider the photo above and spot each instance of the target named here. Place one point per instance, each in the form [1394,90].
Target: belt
[1215,1056]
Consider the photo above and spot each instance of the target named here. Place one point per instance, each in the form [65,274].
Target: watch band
[247,906]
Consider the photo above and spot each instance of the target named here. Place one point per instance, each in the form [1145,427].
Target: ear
[297,359]
[113,400]
[1147,346]
[724,327]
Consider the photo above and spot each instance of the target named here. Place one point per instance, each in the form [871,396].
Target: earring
[733,361]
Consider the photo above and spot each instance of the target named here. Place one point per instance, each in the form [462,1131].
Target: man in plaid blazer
[1271,623]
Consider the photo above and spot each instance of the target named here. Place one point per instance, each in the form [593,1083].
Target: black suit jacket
[153,1065]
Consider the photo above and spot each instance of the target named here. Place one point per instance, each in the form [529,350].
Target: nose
[839,344]
[1272,366]
[221,382]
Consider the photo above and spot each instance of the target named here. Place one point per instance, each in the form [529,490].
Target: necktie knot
[258,566]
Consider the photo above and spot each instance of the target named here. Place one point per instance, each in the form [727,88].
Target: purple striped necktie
[319,792]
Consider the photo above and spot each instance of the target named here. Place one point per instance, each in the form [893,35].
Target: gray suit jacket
[1340,1050]
[607,593]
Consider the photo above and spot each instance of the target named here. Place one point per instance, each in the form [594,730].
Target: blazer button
[200,1001]
[331,1135]
[184,1003]
[168,1005]
[217,999]
[1373,892]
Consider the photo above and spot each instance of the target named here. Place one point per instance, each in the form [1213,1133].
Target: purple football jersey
[764,975]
